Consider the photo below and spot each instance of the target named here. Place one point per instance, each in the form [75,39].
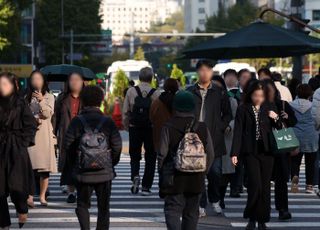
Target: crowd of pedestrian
[221,131]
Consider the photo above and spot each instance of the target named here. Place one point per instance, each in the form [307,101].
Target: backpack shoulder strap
[101,123]
[138,91]
[151,92]
[85,124]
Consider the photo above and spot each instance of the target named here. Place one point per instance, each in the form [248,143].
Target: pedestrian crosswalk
[135,212]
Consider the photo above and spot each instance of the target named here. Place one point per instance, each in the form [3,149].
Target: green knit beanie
[183,101]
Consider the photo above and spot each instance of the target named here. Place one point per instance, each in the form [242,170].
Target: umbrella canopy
[61,72]
[257,40]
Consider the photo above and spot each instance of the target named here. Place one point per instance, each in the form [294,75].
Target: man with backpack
[136,120]
[94,145]
[186,154]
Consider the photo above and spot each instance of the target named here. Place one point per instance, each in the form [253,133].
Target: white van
[130,67]
[220,68]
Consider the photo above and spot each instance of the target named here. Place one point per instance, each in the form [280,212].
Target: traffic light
[22,83]
[169,66]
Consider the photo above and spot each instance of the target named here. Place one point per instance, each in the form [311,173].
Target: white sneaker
[216,207]
[202,212]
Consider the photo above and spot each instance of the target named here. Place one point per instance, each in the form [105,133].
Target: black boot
[251,225]
[284,215]
[262,226]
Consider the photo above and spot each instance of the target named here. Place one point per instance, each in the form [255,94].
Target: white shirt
[284,91]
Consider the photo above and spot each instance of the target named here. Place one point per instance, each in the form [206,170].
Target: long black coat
[62,120]
[244,137]
[17,134]
[170,138]
[218,114]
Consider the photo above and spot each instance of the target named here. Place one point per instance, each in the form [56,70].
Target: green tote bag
[284,140]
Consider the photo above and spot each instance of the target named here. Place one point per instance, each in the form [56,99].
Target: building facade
[127,16]
[197,11]
[312,12]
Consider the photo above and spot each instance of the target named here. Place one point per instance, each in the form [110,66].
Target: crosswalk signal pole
[71,46]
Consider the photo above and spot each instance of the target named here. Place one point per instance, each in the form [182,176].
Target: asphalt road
[130,212]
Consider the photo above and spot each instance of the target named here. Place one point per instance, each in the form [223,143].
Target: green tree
[6,11]
[177,74]
[139,55]
[120,83]
[82,16]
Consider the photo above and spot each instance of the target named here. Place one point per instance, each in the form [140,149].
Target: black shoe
[235,194]
[262,226]
[251,225]
[284,215]
[222,204]
[135,185]
[21,225]
[71,198]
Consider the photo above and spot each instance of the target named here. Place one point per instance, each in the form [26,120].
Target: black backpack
[94,151]
[139,116]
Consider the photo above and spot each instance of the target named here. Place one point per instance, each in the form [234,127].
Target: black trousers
[139,137]
[259,171]
[310,159]
[182,205]
[19,203]
[84,192]
[281,176]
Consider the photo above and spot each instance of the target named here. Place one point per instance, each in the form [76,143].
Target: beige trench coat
[42,154]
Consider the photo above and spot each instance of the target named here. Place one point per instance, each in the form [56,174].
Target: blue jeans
[214,180]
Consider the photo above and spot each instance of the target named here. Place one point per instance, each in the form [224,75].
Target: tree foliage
[120,83]
[6,11]
[139,55]
[177,74]
[82,16]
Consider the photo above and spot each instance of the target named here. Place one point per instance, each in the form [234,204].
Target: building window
[316,15]
[202,21]
[202,10]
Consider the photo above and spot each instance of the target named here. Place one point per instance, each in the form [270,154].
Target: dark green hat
[183,101]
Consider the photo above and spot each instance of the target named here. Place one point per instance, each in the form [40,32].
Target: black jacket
[244,137]
[170,138]
[71,144]
[218,114]
[281,105]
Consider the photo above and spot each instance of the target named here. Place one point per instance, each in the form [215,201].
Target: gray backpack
[94,151]
[191,156]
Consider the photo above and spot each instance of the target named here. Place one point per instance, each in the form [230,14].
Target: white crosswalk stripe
[135,212]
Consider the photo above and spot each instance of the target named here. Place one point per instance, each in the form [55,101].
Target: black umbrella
[257,40]
[61,72]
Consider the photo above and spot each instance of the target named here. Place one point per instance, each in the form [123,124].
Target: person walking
[182,190]
[67,107]
[17,130]
[228,169]
[305,130]
[230,77]
[264,74]
[281,168]
[253,125]
[136,119]
[212,107]
[42,154]
[98,143]
[161,109]
[245,77]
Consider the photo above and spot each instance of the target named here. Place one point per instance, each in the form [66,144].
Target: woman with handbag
[17,130]
[253,126]
[281,160]
[305,131]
